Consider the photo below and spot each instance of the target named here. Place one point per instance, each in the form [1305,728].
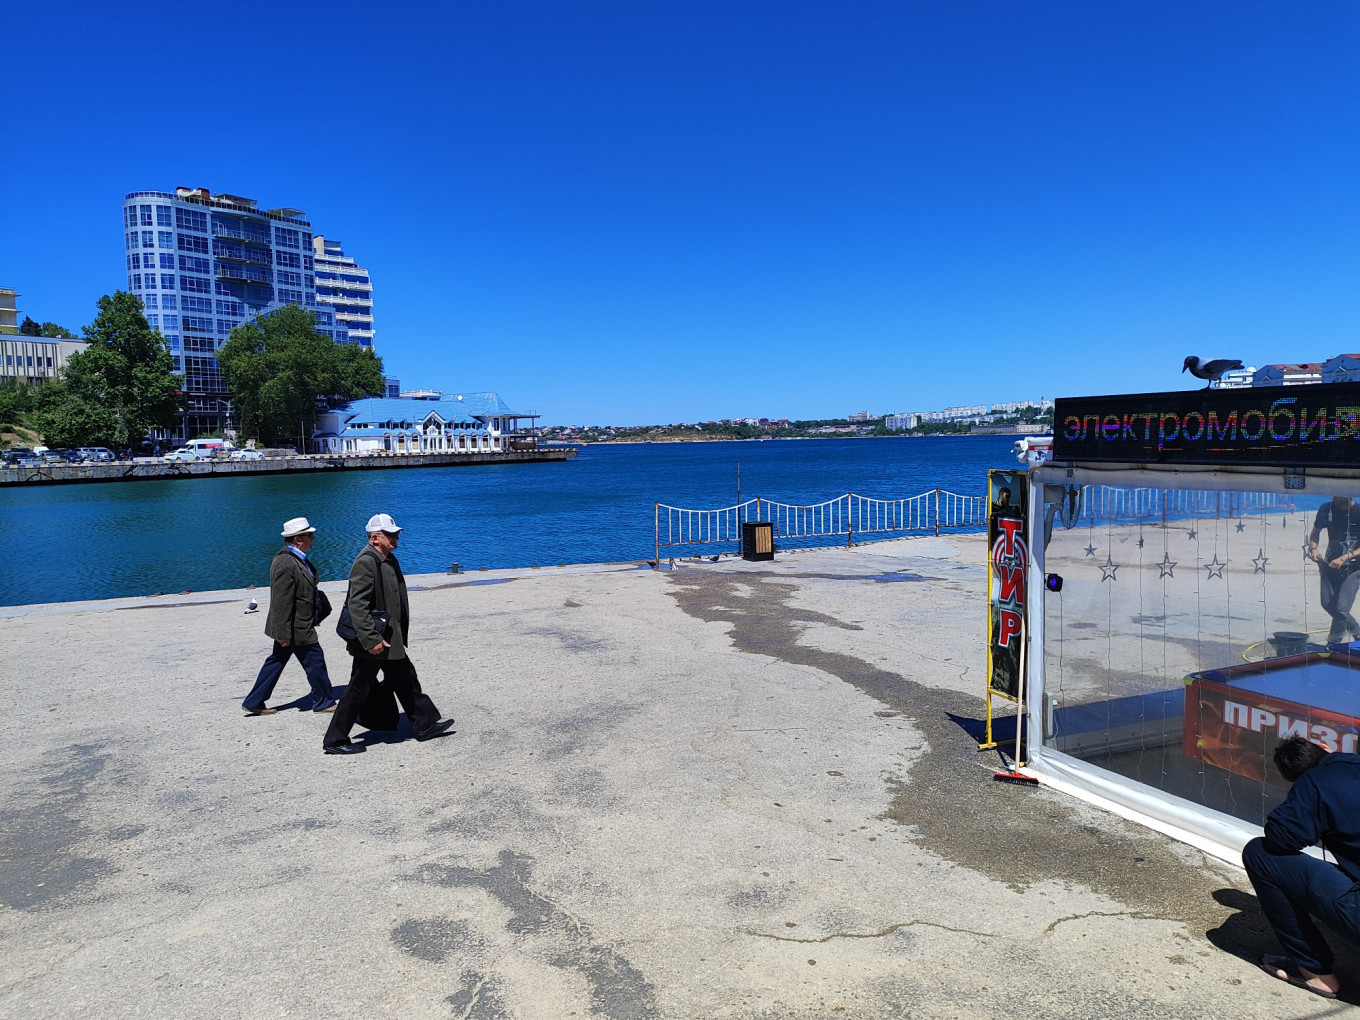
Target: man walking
[1322,808]
[292,622]
[1338,563]
[379,612]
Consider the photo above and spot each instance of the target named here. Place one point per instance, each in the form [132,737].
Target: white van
[209,447]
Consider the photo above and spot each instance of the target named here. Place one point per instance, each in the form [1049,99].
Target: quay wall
[150,469]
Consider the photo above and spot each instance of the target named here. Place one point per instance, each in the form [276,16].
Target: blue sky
[631,213]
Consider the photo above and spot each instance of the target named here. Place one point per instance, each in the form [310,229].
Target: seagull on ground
[254,606]
[1210,370]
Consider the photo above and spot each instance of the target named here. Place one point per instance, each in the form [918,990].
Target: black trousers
[400,675]
[1339,588]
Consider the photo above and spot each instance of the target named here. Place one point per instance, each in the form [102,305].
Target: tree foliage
[117,389]
[29,327]
[282,372]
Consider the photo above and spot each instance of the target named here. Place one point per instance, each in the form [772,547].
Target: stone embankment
[151,469]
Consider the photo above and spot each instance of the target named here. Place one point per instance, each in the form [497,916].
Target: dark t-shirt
[1322,808]
[1343,531]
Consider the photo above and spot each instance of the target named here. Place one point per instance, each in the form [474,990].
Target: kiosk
[1179,623]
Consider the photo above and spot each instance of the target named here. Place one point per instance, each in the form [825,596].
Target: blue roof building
[457,423]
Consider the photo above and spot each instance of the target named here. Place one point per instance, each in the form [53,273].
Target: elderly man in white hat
[377,612]
[296,606]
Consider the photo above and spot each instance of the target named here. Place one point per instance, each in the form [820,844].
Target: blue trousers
[1295,888]
[313,661]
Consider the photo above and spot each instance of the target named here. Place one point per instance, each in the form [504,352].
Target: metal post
[656,520]
[937,513]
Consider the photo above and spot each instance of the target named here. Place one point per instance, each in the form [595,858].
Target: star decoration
[1284,522]
[1167,566]
[1241,526]
[1260,562]
[1140,541]
[1193,534]
[1090,550]
[1108,568]
[1214,567]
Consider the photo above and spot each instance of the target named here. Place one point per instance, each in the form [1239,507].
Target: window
[174,346]
[287,238]
[162,216]
[167,261]
[167,282]
[132,262]
[136,281]
[324,318]
[197,323]
[308,283]
[131,239]
[287,258]
[165,239]
[172,322]
[153,322]
[225,326]
[146,215]
[130,281]
[168,300]
[191,219]
[290,297]
[195,285]
[188,242]
[198,304]
[127,222]
[150,280]
[307,263]
[149,261]
[228,308]
[148,239]
[149,301]
[189,264]
[287,279]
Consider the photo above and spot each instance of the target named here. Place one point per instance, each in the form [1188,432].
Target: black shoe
[434,731]
[344,748]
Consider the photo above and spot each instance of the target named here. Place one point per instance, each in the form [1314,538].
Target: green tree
[49,329]
[281,372]
[117,389]
[30,328]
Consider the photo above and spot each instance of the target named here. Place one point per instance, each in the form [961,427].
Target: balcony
[232,271]
[223,250]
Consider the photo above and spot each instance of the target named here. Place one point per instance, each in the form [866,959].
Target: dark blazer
[369,570]
[292,600]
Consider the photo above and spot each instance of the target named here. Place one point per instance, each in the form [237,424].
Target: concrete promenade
[730,790]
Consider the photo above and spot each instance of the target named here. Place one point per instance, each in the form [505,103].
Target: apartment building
[343,287]
[9,310]
[202,264]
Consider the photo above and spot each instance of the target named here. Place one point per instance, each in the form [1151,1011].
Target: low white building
[1342,368]
[1296,374]
[458,423]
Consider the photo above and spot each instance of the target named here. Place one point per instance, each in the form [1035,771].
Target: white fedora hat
[381,522]
[297,526]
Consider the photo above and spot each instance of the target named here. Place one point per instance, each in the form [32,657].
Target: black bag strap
[379,595]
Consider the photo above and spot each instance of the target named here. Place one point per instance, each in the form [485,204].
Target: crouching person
[1322,809]
[379,613]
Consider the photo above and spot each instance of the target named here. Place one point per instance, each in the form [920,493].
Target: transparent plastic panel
[1195,629]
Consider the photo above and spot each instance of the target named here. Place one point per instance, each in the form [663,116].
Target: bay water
[106,540]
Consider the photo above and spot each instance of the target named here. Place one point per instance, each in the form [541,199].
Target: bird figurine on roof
[1211,371]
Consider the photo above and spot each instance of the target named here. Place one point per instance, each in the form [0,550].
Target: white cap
[382,522]
[297,526]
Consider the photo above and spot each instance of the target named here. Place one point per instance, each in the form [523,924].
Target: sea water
[103,540]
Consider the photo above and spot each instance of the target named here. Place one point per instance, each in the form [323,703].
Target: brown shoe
[323,711]
[262,711]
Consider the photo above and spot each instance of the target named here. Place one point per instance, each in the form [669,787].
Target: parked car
[97,454]
[20,456]
[245,455]
[188,453]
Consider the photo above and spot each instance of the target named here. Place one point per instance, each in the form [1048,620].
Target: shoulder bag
[382,621]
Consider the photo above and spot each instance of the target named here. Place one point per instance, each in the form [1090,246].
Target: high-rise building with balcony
[203,264]
[9,311]
[343,286]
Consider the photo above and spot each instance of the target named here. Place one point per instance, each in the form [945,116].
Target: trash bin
[757,540]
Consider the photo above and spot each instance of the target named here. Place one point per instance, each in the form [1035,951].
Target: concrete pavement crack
[1137,915]
[891,929]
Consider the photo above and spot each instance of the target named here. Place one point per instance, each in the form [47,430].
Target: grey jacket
[362,602]
[292,600]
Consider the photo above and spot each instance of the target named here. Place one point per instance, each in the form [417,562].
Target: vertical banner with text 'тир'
[1007,575]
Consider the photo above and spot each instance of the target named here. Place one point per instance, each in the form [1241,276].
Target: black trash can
[757,540]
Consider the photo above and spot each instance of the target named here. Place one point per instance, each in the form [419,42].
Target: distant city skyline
[657,213]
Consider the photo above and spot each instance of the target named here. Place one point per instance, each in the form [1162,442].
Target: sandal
[1293,974]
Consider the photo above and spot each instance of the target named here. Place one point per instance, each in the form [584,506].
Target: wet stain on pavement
[434,939]
[617,989]
[478,998]
[46,848]
[1010,835]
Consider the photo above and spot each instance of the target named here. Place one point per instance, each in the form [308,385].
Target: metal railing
[850,515]
[1113,502]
